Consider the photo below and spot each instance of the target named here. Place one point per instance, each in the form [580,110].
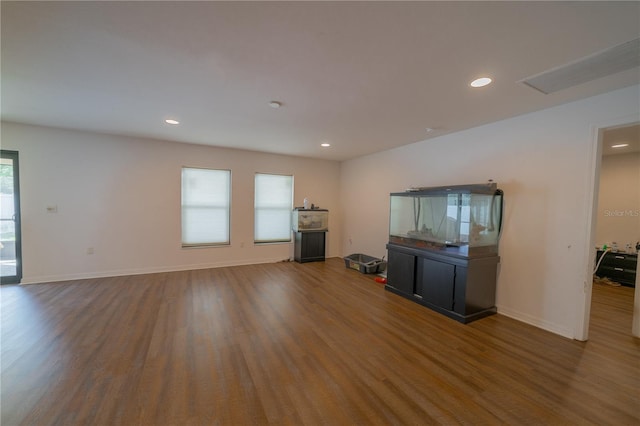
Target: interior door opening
[615,227]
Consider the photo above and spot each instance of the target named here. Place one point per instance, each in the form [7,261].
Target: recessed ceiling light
[171,121]
[275,104]
[480,82]
[325,145]
[620,145]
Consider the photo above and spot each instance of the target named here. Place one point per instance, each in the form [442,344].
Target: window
[273,204]
[206,196]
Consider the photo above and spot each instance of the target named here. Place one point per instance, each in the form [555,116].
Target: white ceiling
[363,76]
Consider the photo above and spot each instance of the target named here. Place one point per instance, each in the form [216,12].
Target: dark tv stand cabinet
[462,288]
[309,246]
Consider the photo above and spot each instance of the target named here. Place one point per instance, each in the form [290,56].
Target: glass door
[10,241]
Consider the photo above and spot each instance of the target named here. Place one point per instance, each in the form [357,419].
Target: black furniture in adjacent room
[618,267]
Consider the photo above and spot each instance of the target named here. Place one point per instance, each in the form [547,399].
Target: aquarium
[310,220]
[464,219]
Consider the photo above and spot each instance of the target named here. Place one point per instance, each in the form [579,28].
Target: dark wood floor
[298,344]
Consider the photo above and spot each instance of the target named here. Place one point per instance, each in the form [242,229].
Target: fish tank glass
[465,220]
[310,220]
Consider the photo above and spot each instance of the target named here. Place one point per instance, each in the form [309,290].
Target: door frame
[13,155]
[581,331]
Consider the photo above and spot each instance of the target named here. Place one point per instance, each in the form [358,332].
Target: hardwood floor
[300,344]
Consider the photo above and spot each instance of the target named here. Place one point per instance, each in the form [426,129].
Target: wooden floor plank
[298,344]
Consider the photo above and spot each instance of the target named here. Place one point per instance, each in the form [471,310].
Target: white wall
[542,161]
[618,215]
[121,196]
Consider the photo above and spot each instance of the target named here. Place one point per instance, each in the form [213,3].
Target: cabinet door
[313,245]
[309,246]
[438,280]
[401,271]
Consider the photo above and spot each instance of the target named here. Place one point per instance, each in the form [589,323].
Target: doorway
[10,236]
[615,213]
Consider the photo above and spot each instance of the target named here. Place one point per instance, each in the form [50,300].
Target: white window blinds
[206,199]
[273,204]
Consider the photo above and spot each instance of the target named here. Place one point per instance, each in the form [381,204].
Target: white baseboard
[536,322]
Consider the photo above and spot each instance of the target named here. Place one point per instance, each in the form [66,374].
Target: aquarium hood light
[486,188]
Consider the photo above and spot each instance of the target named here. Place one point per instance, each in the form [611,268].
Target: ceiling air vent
[610,61]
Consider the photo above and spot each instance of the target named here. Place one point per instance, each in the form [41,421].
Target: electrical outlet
[90,250]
